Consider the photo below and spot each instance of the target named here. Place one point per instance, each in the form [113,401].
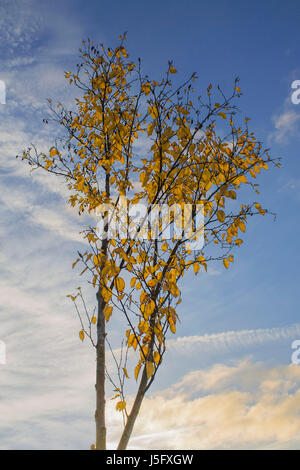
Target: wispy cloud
[286,122]
[231,340]
[19,30]
[285,125]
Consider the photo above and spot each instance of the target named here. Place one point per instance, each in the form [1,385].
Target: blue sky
[234,340]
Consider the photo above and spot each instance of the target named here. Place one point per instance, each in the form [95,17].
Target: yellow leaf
[106,294]
[94,319]
[125,372]
[81,335]
[130,340]
[172,325]
[149,369]
[107,311]
[223,115]
[221,215]
[115,396]
[146,88]
[156,357]
[164,246]
[144,296]
[196,268]
[226,263]
[121,405]
[132,282]
[149,309]
[53,152]
[137,370]
[95,280]
[152,282]
[260,210]
[242,226]
[242,179]
[143,327]
[153,111]
[120,284]
[172,69]
[150,128]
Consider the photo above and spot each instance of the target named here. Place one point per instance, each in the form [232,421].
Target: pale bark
[100,377]
[100,355]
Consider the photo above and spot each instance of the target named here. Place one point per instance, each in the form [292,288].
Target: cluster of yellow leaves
[188,163]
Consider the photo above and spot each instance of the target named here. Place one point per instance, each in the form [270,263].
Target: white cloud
[245,405]
[286,122]
[285,125]
[23,201]
[20,22]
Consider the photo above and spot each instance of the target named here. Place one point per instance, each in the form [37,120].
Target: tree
[194,159]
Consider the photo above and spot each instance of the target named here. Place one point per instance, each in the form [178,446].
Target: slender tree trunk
[134,412]
[100,357]
[100,377]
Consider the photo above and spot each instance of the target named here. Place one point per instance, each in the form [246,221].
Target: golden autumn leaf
[53,152]
[150,128]
[172,325]
[137,370]
[242,226]
[196,268]
[226,263]
[120,284]
[106,294]
[107,312]
[149,309]
[120,405]
[156,357]
[149,369]
[221,215]
[164,246]
[242,179]
[81,335]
